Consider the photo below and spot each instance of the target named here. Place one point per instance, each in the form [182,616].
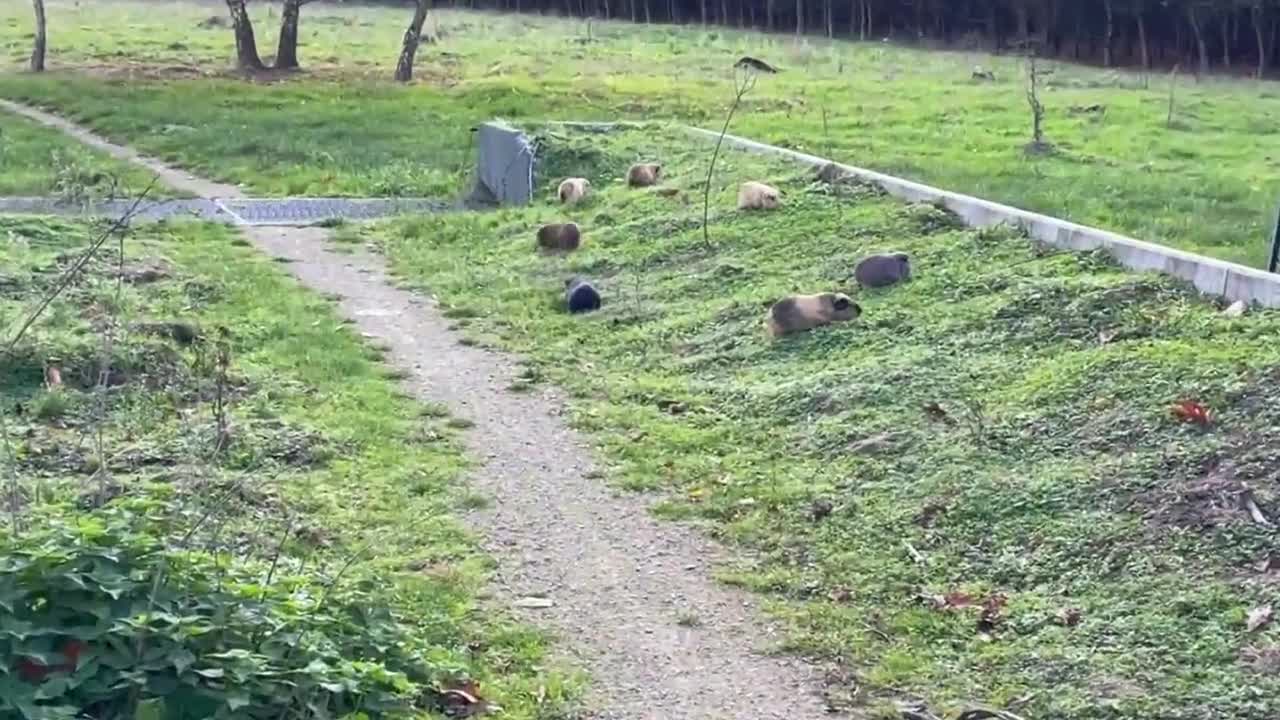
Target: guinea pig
[644,174]
[799,313]
[883,270]
[580,295]
[573,189]
[758,196]
[559,237]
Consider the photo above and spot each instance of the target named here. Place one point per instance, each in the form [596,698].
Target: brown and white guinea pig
[559,237]
[573,189]
[644,174]
[883,270]
[754,195]
[799,313]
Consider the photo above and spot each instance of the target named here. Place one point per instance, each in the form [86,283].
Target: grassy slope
[1057,476]
[1207,184]
[323,441]
[35,160]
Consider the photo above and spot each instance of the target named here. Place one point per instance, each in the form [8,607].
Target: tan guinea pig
[799,313]
[644,174]
[758,196]
[559,237]
[574,189]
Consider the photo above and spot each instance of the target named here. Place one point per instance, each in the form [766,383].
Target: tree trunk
[287,50]
[768,10]
[648,14]
[1108,33]
[1142,42]
[799,17]
[246,44]
[704,12]
[1200,46]
[412,36]
[1256,15]
[1226,42]
[38,48]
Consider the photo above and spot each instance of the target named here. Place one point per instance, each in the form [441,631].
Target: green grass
[1207,184]
[323,450]
[1054,472]
[38,161]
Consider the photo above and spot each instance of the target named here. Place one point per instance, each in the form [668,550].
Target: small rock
[1235,309]
[535,603]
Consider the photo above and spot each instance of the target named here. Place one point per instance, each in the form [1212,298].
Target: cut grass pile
[38,161]
[977,493]
[325,523]
[1206,183]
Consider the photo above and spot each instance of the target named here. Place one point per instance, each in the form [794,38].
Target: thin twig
[913,552]
[742,84]
[275,558]
[1251,506]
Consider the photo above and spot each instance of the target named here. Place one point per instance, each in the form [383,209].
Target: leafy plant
[102,617]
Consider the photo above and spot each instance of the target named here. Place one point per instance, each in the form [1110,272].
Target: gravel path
[617,580]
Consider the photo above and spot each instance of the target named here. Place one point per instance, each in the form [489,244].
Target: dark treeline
[1202,35]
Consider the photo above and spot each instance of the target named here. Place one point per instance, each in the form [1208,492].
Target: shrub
[101,618]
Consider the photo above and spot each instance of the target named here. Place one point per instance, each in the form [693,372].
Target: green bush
[101,618]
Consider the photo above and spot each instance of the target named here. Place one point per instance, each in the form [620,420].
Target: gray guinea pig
[883,270]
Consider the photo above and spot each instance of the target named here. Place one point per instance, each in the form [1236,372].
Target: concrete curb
[1211,277]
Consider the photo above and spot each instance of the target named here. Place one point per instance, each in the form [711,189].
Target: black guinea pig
[580,295]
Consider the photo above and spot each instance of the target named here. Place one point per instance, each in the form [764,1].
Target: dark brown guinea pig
[559,237]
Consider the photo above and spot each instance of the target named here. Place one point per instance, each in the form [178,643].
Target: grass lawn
[325,523]
[35,160]
[977,493]
[1205,182]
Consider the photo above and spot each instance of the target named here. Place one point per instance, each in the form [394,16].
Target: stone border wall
[1212,277]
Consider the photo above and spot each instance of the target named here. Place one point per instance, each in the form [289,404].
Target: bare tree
[38,50]
[1255,15]
[246,44]
[287,49]
[412,37]
[1193,16]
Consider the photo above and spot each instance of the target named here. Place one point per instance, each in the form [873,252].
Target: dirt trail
[619,581]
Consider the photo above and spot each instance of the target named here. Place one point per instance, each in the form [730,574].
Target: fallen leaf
[840,595]
[534,603]
[958,600]
[1258,617]
[1106,336]
[1192,411]
[463,700]
[992,609]
[936,411]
